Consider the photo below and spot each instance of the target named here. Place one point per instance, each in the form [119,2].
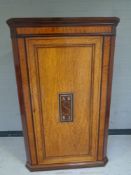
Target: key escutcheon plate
[66,107]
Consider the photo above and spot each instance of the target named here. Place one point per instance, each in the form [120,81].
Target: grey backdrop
[121,91]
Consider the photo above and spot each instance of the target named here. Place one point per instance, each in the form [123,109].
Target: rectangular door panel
[65,78]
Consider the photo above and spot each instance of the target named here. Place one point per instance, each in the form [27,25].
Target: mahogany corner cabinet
[64,74]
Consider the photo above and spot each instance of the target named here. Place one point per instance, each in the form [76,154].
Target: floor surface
[12,159]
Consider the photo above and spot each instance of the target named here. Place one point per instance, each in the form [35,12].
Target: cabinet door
[65,78]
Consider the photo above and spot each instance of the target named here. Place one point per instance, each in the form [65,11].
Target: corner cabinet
[64,74]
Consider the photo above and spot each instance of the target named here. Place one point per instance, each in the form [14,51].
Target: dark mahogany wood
[32,22]
[71,56]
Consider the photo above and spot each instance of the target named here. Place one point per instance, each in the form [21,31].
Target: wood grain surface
[67,56]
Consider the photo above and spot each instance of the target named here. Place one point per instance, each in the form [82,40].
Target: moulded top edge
[67,21]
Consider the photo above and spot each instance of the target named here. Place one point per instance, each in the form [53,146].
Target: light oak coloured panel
[58,68]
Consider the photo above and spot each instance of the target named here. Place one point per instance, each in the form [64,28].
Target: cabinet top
[68,21]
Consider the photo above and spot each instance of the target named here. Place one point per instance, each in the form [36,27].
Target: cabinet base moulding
[99,163]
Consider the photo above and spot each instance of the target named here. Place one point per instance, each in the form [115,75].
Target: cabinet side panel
[20,69]
[27,102]
[104,87]
[110,74]
[107,70]
[20,94]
